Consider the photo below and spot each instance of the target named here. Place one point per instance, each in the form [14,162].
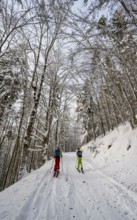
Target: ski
[78,170]
[56,173]
[82,170]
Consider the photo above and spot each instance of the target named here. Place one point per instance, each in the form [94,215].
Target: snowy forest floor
[73,195]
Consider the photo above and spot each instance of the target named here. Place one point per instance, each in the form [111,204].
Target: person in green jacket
[79,160]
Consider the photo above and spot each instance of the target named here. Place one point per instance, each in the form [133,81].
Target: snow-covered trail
[73,195]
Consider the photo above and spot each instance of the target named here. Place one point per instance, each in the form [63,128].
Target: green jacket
[61,152]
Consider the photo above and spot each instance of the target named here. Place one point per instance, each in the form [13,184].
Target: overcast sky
[79,5]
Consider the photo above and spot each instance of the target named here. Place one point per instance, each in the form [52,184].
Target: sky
[79,5]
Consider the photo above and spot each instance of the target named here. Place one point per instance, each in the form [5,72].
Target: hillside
[115,154]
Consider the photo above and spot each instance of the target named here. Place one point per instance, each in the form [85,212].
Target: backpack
[57,153]
[79,153]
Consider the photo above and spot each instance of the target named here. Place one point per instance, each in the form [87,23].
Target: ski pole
[52,165]
[62,164]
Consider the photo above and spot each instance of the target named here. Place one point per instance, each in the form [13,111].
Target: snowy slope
[98,194]
[118,161]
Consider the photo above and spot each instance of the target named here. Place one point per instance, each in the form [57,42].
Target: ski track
[77,196]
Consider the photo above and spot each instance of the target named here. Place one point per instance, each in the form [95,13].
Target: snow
[117,161]
[106,191]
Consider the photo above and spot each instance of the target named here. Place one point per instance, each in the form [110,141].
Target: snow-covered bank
[116,155]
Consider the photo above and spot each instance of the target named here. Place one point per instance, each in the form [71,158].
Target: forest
[67,76]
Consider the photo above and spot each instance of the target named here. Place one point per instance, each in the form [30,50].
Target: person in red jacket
[57,155]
